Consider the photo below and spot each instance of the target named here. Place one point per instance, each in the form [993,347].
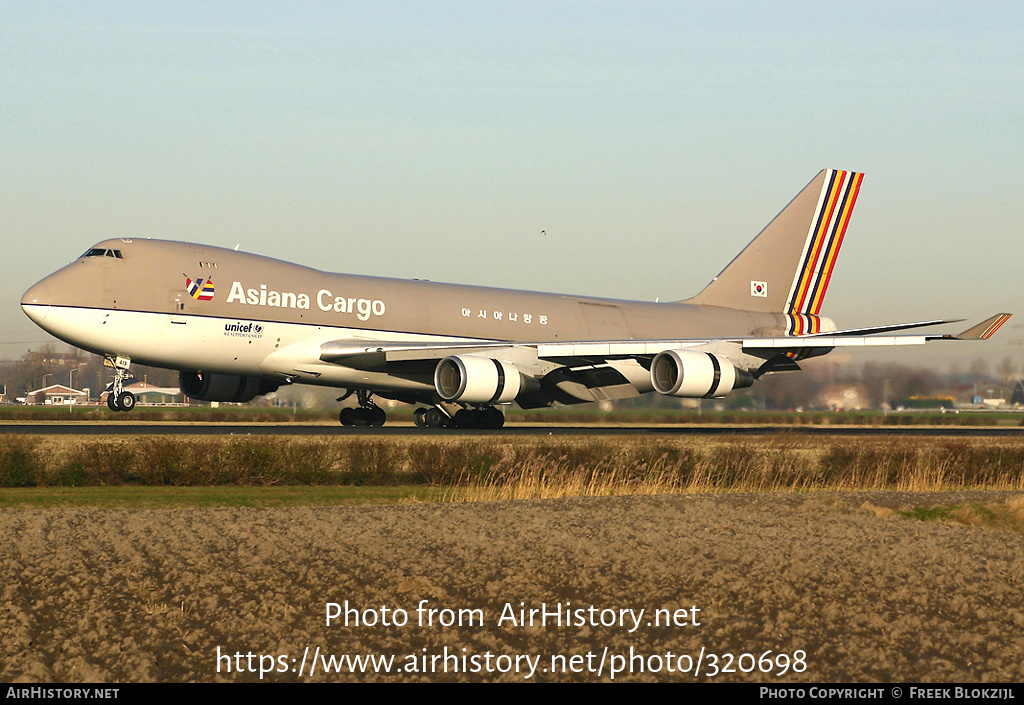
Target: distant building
[56,395]
[150,394]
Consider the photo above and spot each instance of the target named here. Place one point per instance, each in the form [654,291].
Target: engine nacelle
[476,379]
[207,386]
[686,373]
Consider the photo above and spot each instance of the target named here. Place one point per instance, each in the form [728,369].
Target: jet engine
[476,380]
[207,386]
[686,373]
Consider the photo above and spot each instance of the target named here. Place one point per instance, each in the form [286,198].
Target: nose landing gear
[118,399]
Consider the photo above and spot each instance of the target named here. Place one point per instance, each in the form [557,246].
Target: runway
[217,429]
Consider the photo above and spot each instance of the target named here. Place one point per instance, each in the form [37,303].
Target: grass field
[148,497]
[311,471]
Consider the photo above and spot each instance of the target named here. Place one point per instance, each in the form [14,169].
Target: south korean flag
[759,289]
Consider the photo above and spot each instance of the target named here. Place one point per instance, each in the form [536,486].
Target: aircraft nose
[36,302]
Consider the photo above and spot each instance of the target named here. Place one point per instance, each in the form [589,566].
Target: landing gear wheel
[493,418]
[435,418]
[354,417]
[486,417]
[368,413]
[419,417]
[112,402]
[463,419]
[125,401]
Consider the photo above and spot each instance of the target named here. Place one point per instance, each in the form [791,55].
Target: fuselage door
[605,322]
[178,308]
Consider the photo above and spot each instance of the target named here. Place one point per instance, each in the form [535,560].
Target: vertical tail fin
[787,267]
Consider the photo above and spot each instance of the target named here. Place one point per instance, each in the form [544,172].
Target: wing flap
[792,343]
[888,329]
[612,348]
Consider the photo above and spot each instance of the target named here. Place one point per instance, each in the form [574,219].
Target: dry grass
[503,467]
[751,466]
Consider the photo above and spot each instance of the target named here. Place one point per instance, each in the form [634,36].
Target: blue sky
[650,141]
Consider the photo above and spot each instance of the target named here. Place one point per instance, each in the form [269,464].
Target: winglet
[985,329]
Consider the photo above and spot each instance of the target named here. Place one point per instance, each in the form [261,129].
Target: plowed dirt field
[89,595]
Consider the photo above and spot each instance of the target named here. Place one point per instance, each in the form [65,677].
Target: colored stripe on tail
[825,237]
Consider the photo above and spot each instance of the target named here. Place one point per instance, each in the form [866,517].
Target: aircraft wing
[378,354]
[982,331]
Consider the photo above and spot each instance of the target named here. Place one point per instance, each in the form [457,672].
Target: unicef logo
[239,329]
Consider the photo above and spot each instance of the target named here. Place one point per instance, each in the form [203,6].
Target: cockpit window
[100,252]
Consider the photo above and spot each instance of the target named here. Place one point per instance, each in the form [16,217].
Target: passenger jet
[238,325]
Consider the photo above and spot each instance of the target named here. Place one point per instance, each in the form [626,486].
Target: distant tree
[979,369]
[1007,370]
[72,367]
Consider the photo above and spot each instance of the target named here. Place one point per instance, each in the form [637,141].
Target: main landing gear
[117,398]
[443,415]
[438,417]
[368,413]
